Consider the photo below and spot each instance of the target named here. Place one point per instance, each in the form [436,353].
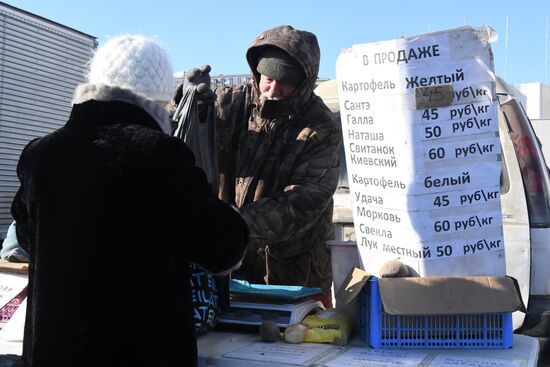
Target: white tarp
[420,128]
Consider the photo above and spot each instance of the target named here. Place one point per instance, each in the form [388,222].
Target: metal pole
[506,53]
[546,54]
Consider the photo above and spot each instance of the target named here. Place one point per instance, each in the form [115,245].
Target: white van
[525,202]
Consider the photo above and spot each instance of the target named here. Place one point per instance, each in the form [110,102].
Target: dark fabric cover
[111,211]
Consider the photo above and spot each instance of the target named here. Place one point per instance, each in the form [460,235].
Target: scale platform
[252,304]
[283,314]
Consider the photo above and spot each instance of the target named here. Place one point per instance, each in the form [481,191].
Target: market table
[240,349]
[234,348]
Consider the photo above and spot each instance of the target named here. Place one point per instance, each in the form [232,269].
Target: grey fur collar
[105,93]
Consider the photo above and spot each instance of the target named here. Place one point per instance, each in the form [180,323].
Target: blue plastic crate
[466,331]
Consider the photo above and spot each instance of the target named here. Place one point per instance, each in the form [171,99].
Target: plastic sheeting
[199,135]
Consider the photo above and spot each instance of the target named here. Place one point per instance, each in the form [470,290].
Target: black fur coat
[111,211]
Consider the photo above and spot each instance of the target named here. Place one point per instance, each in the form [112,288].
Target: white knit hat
[134,62]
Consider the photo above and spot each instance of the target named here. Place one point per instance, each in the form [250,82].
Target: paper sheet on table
[14,329]
[367,357]
[448,360]
[292,354]
[10,286]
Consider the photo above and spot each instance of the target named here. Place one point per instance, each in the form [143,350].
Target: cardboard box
[16,268]
[434,312]
[439,295]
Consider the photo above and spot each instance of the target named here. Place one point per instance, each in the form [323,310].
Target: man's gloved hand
[201,79]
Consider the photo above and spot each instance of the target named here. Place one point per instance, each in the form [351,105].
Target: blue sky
[219,32]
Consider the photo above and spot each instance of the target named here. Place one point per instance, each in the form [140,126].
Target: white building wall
[536,99]
[545,102]
[542,129]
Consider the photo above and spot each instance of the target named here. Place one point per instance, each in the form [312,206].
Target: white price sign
[420,128]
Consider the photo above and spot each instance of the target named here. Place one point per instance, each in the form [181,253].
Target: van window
[531,161]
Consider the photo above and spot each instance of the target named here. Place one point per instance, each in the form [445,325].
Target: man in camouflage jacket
[278,164]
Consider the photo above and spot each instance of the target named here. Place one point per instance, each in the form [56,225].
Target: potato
[295,333]
[269,331]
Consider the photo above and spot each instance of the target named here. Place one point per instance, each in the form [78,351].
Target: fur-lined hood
[105,93]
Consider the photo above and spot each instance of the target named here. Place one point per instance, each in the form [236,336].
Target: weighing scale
[252,304]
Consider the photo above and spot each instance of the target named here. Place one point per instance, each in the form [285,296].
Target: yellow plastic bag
[327,326]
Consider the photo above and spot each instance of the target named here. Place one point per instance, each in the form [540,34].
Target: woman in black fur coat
[111,210]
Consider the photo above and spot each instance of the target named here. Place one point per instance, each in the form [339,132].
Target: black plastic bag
[200,136]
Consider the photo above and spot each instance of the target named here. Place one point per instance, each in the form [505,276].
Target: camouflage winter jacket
[279,165]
